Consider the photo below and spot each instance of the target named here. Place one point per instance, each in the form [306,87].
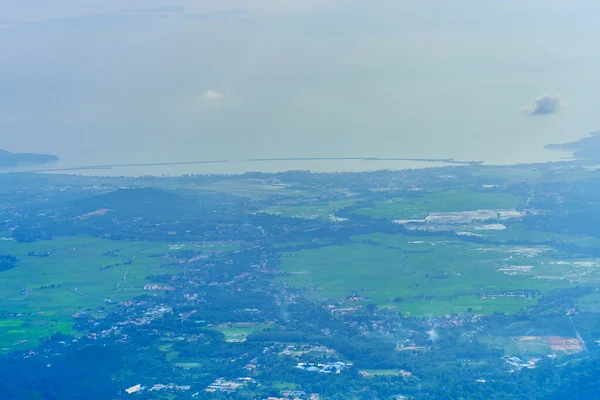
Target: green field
[520,232]
[455,200]
[523,347]
[381,372]
[530,175]
[76,267]
[456,274]
[317,211]
[238,332]
[250,189]
[590,302]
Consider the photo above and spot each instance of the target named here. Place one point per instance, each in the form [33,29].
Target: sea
[274,165]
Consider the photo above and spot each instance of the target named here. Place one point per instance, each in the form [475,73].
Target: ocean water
[232,167]
[264,165]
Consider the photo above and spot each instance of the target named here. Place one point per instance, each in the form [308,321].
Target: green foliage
[321,210]
[433,275]
[7,262]
[250,285]
[72,279]
[417,206]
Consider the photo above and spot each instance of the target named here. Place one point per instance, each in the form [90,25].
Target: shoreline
[237,167]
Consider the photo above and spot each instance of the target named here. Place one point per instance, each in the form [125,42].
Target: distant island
[587,148]
[8,159]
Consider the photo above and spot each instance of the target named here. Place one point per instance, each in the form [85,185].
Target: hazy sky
[115,81]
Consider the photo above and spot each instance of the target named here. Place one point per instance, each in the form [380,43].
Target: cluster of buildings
[295,395]
[299,350]
[328,368]
[519,363]
[223,385]
[157,388]
[154,286]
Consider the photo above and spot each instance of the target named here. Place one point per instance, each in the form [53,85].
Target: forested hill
[8,159]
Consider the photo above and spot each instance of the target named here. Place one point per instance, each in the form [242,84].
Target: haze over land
[103,82]
[299,285]
[464,280]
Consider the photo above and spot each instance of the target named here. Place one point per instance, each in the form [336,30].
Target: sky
[131,81]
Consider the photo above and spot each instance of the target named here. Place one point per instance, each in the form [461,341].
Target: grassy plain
[42,293]
[420,275]
[238,332]
[529,175]
[454,200]
[250,189]
[381,372]
[317,211]
[520,232]
[590,302]
[527,346]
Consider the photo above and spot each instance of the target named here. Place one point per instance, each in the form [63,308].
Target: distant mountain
[8,159]
[587,148]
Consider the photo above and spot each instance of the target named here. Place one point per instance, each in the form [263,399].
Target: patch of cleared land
[381,372]
[531,346]
[238,331]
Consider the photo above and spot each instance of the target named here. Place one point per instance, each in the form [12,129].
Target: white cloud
[433,335]
[545,105]
[212,95]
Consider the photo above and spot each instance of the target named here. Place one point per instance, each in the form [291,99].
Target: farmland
[424,277]
[238,332]
[317,211]
[418,205]
[77,274]
[289,285]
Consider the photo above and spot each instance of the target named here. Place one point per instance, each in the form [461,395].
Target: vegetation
[435,276]
[418,205]
[7,262]
[42,294]
[321,210]
[295,284]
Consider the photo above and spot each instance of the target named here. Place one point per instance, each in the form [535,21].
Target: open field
[456,200]
[205,246]
[520,232]
[250,189]
[381,372]
[318,211]
[238,332]
[531,346]
[590,302]
[429,275]
[42,293]
[520,174]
